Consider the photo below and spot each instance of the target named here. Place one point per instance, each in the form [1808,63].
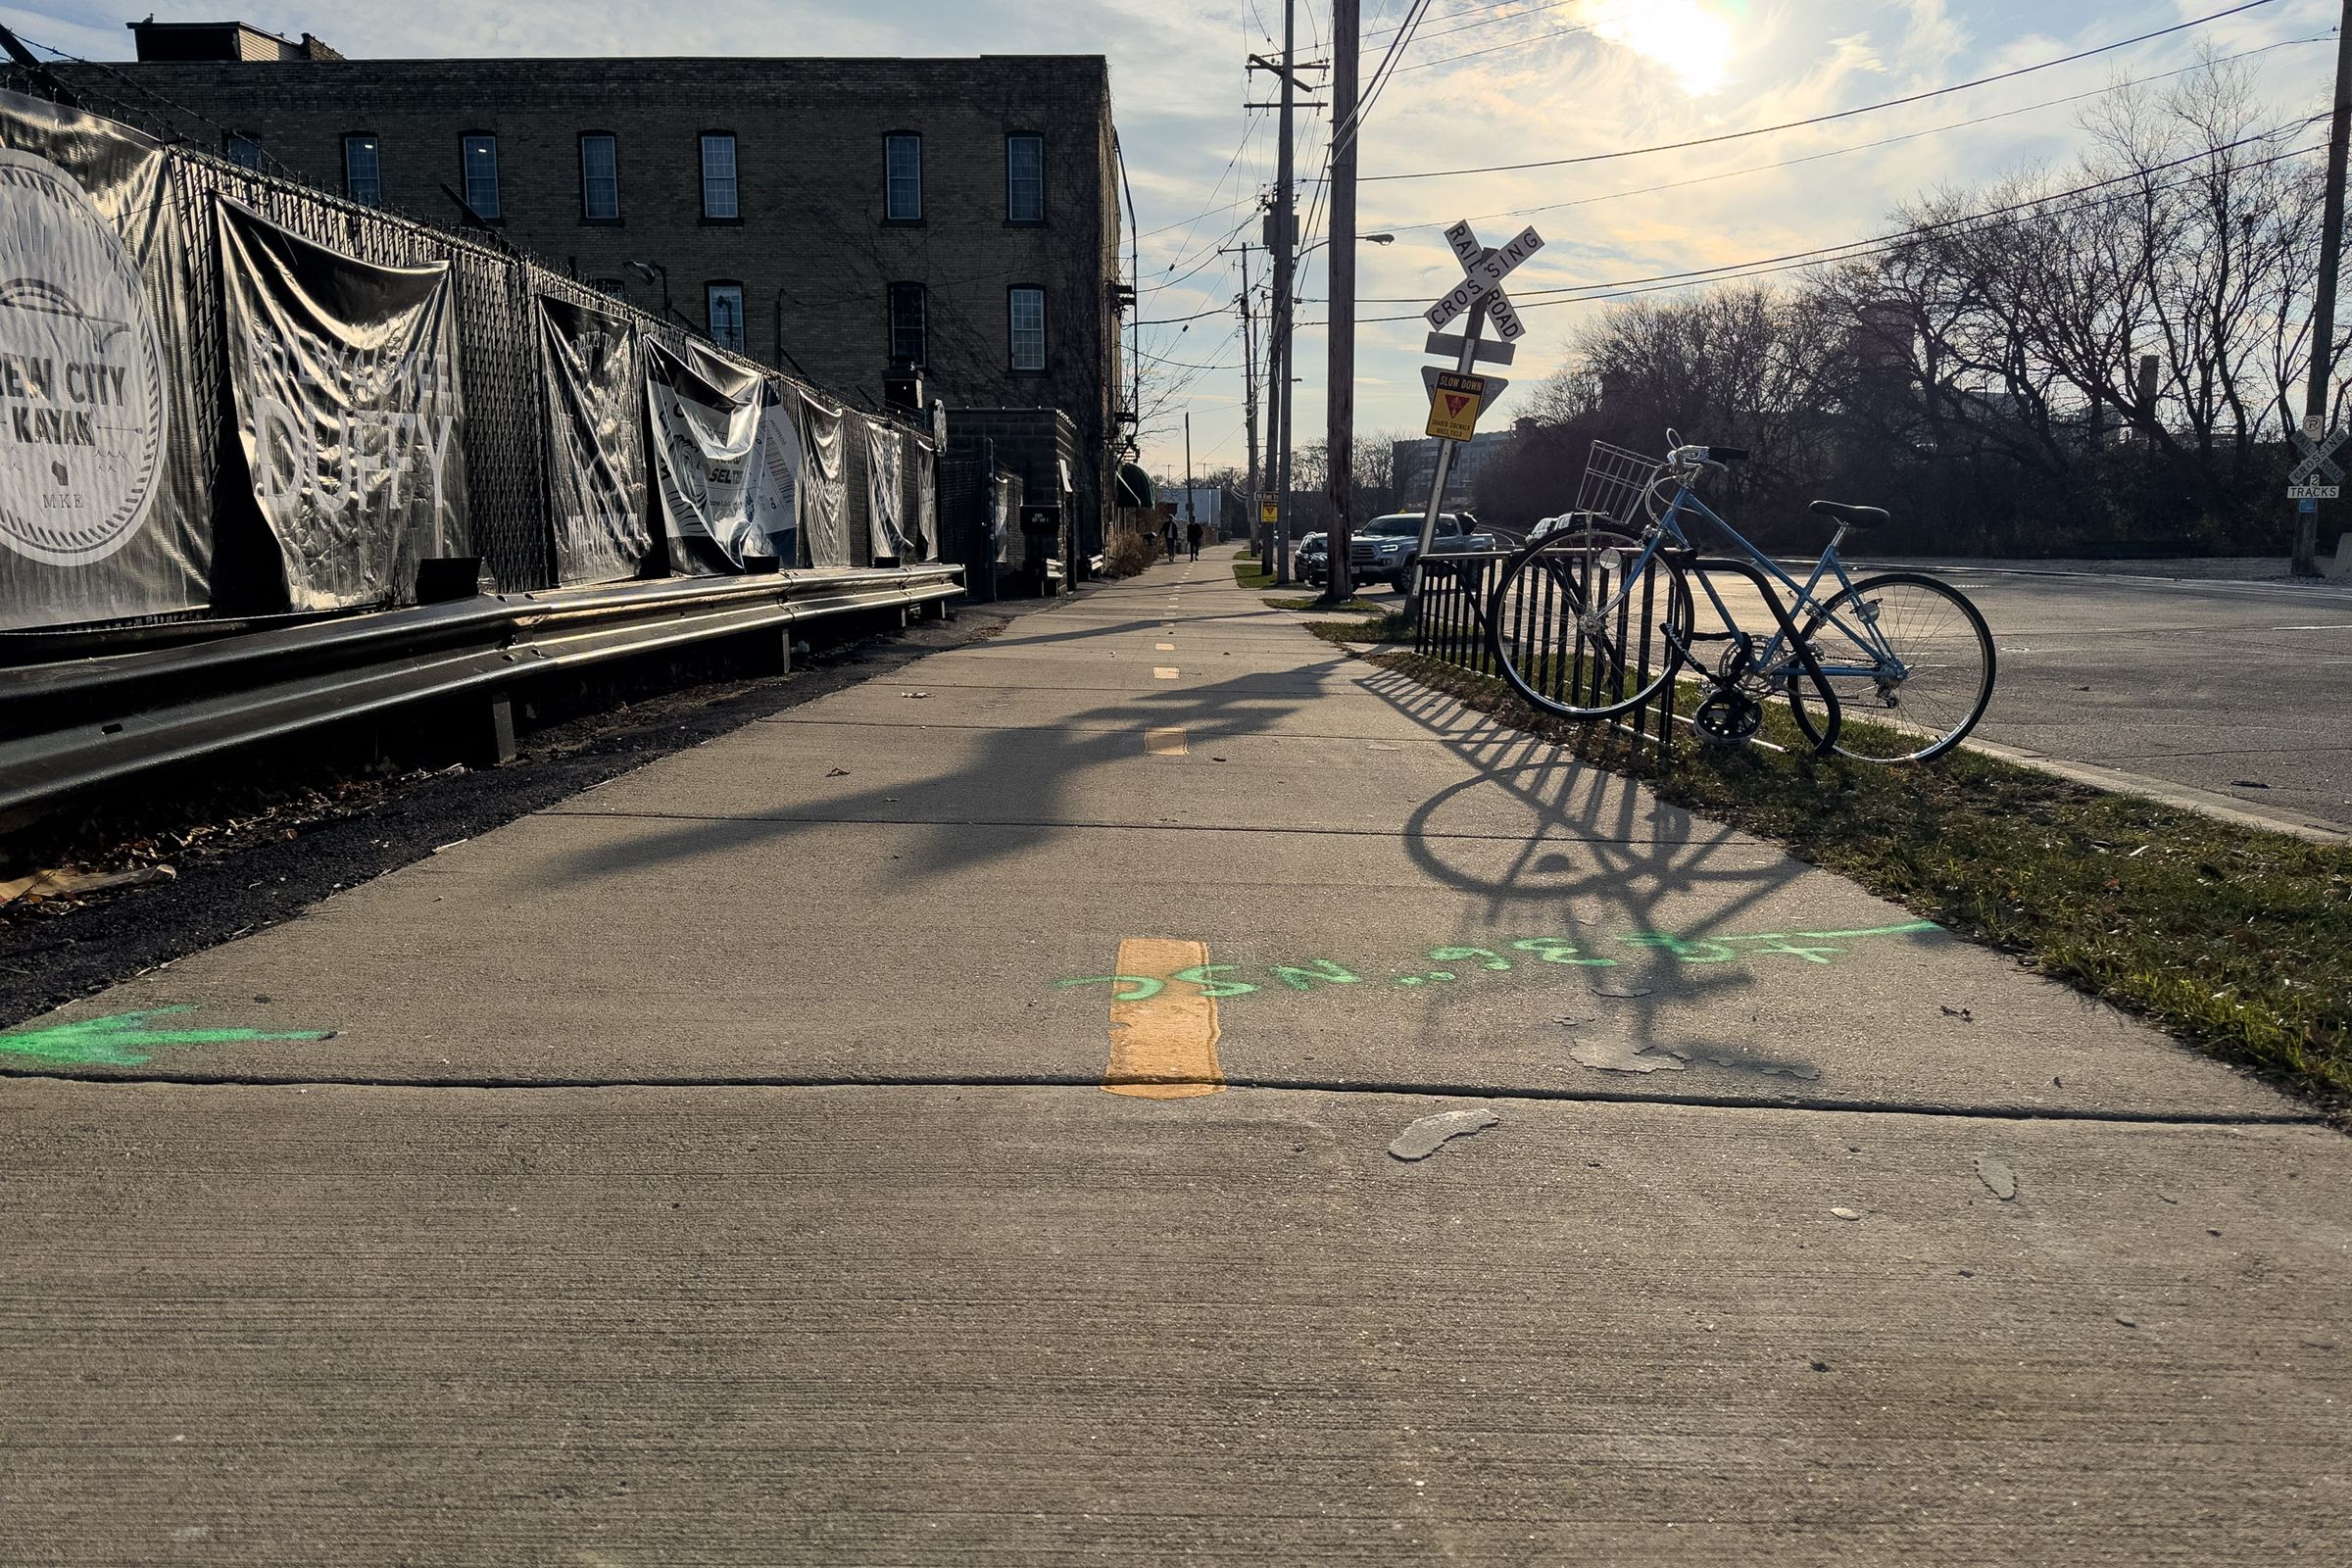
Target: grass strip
[1353,606]
[2237,939]
[1246,572]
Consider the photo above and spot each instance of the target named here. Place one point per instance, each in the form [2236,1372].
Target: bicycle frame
[1772,659]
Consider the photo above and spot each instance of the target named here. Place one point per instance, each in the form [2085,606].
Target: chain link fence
[507,423]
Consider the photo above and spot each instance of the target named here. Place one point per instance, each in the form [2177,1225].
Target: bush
[1130,550]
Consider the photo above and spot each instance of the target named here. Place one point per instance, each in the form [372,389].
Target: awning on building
[1135,486]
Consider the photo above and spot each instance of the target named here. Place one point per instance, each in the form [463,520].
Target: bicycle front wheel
[1911,662]
[1582,626]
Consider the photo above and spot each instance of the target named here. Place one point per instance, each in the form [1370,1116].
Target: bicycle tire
[1931,726]
[1553,658]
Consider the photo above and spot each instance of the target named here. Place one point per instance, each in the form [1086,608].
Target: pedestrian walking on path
[1167,536]
[1192,539]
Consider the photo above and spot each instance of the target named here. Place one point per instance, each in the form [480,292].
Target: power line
[1487,20]
[1843,113]
[1472,54]
[1197,316]
[1862,248]
[1481,22]
[1865,146]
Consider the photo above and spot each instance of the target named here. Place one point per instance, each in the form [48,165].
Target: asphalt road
[2241,688]
[965,1119]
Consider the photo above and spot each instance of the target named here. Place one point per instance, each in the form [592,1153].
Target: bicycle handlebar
[1683,461]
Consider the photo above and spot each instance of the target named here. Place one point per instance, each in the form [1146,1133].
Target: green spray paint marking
[1459,963]
[123,1038]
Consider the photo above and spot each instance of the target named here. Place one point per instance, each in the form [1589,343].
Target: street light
[656,273]
[1376,239]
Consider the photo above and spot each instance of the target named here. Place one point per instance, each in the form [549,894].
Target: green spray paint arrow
[123,1038]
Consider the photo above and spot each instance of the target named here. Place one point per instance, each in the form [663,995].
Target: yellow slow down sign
[1453,405]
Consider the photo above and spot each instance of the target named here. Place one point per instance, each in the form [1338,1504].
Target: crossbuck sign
[1482,273]
[2317,477]
[1456,397]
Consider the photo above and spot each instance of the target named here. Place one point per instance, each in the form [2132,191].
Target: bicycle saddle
[1852,516]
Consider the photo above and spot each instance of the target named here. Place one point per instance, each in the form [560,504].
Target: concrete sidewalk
[718,1169]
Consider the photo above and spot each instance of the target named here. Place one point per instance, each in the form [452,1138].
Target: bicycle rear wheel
[1923,699]
[1584,627]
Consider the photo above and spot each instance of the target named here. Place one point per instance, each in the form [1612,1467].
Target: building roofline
[526,61]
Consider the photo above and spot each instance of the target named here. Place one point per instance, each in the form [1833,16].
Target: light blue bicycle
[1591,618]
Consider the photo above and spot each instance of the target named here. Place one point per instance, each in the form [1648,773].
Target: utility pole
[1285,242]
[1189,514]
[1249,397]
[1273,425]
[1282,237]
[2323,322]
[1338,444]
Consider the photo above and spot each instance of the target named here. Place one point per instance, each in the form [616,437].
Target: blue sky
[1482,82]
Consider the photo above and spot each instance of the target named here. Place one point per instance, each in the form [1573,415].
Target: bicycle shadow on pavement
[1602,852]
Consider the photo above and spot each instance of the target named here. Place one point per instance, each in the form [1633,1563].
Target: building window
[1024,180]
[600,178]
[1028,328]
[906,336]
[244,151]
[724,302]
[718,176]
[363,171]
[903,169]
[481,175]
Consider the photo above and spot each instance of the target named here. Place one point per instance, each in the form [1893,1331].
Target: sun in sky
[1690,40]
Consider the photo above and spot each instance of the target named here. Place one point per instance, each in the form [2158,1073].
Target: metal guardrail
[71,724]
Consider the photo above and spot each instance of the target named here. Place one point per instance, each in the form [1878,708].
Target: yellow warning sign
[1268,511]
[1453,406]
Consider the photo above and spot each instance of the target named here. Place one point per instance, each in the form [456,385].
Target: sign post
[1480,294]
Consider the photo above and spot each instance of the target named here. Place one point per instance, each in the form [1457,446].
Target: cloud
[1531,91]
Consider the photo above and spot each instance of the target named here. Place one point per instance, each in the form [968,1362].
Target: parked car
[1312,562]
[1575,521]
[1385,549]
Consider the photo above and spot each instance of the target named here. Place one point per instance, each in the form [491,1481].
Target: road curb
[2186,797]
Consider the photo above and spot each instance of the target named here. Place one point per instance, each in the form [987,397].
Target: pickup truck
[1385,548]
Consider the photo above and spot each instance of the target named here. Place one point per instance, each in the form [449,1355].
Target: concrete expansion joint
[1092,1084]
[1727,841]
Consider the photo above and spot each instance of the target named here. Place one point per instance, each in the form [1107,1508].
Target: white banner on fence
[345,376]
[106,459]
[718,495]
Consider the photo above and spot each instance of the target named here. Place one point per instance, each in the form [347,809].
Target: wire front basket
[1617,484]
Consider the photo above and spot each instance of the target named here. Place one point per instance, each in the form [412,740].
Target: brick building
[831,216]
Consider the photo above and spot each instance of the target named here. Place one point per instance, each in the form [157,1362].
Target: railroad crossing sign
[2317,477]
[1453,406]
[1482,273]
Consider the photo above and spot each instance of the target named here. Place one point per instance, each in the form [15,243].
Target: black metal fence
[1553,650]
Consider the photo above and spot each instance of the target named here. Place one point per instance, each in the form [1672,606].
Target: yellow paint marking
[1164,672]
[1164,742]
[1164,1046]
[1163,647]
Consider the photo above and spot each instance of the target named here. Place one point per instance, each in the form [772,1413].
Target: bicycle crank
[1728,718]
